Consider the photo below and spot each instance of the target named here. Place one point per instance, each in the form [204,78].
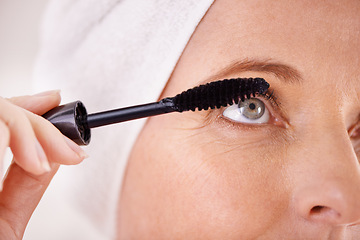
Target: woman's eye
[251,110]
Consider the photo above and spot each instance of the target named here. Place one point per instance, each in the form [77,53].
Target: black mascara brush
[74,122]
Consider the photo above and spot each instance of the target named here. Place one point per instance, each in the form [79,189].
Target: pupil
[252,106]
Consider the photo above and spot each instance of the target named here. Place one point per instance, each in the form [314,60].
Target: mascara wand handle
[166,105]
[71,121]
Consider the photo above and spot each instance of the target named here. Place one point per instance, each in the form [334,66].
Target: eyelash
[269,98]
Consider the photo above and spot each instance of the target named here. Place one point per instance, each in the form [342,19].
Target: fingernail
[47,93]
[43,161]
[78,150]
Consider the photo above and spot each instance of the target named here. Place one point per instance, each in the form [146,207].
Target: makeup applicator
[74,122]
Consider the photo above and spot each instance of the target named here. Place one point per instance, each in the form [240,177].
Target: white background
[19,41]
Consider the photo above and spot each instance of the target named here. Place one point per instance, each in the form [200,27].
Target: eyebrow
[282,71]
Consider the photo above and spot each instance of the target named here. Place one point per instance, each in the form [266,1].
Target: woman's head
[204,175]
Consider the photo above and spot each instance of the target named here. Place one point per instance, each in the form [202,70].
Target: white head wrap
[108,54]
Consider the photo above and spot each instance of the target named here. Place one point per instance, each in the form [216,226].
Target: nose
[327,179]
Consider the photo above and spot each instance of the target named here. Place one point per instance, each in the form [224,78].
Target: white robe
[108,54]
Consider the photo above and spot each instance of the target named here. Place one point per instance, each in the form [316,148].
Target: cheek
[237,184]
[200,183]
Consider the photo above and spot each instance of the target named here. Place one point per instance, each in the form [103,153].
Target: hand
[38,149]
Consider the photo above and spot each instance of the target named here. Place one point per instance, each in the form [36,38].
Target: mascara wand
[74,122]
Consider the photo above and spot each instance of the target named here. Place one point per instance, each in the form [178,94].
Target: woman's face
[201,175]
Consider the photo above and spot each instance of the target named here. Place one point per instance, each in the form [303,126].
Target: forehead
[341,16]
[320,38]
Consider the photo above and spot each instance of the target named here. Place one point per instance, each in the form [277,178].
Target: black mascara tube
[130,113]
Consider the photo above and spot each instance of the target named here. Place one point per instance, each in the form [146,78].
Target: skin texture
[36,158]
[202,176]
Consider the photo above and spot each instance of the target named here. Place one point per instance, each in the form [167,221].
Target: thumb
[21,194]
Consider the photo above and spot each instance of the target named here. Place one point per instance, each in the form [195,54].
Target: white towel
[108,54]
